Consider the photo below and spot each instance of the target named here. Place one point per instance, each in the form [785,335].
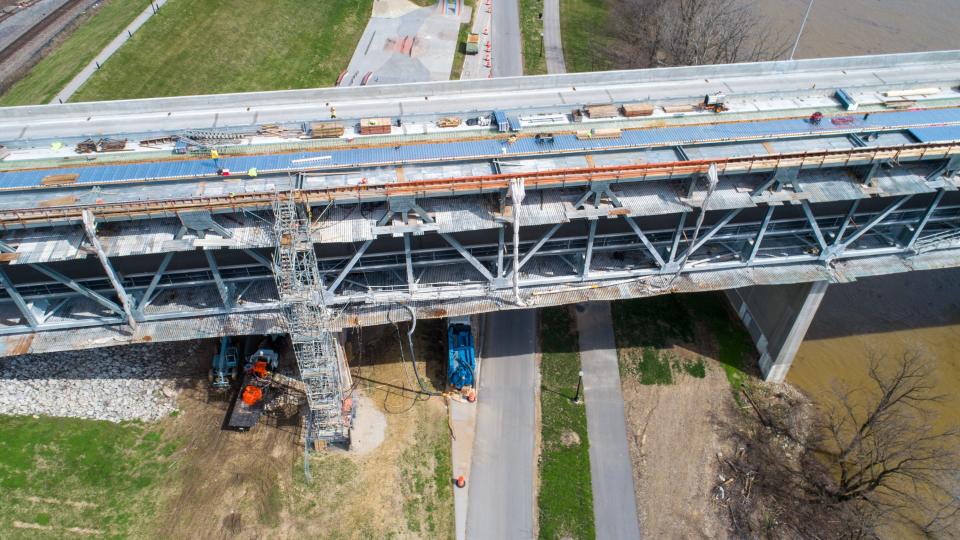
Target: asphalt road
[507,56]
[611,473]
[502,474]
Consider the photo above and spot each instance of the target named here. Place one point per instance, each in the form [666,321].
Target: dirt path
[675,432]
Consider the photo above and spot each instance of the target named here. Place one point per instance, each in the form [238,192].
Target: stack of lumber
[601,111]
[631,110]
[326,130]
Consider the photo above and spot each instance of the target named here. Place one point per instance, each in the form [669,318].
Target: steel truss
[409,259]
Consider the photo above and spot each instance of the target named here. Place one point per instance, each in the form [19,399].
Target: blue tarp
[925,120]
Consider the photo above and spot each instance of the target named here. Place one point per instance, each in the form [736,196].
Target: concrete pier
[777,317]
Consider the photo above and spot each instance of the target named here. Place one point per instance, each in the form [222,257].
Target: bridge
[757,198]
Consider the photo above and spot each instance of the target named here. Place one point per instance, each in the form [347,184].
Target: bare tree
[693,32]
[886,450]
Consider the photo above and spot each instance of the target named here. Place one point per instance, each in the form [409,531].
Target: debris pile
[136,382]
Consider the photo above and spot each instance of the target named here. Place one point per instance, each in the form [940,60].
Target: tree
[885,448]
[693,32]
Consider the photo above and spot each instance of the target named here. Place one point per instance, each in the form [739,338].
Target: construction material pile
[136,382]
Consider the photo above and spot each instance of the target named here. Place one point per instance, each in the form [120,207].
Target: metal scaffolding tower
[300,291]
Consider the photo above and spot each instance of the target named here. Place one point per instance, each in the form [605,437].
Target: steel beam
[148,294]
[536,247]
[22,305]
[350,264]
[408,260]
[90,226]
[876,220]
[931,208]
[80,289]
[501,247]
[846,222]
[222,287]
[763,230]
[646,241]
[677,235]
[585,271]
[266,263]
[466,255]
[817,233]
[711,233]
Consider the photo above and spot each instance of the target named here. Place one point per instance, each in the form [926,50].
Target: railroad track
[28,36]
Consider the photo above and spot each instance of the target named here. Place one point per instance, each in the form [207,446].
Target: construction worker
[333,112]
[215,156]
[252,173]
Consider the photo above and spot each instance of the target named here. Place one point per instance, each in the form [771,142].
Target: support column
[777,317]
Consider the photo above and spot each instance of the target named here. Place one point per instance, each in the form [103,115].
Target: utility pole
[799,33]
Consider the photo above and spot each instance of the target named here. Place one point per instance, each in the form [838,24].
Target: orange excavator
[255,389]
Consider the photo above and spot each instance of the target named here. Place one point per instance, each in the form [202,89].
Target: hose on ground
[413,354]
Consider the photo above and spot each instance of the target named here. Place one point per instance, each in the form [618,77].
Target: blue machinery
[462,363]
[224,365]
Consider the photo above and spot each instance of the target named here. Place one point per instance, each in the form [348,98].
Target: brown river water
[854,27]
[917,310]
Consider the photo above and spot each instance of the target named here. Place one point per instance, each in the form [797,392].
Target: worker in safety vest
[252,173]
[215,156]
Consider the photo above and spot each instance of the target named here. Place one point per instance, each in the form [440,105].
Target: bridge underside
[574,244]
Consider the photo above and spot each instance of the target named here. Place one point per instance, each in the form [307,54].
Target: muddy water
[854,27]
[889,314]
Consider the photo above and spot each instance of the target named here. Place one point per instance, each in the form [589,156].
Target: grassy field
[534,61]
[49,76]
[647,329]
[64,477]
[215,46]
[585,40]
[566,498]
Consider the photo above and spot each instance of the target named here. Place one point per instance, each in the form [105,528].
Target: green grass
[217,46]
[644,326]
[531,26]
[52,73]
[566,498]
[583,28]
[61,473]
[461,52]
[734,342]
[426,470]
[695,368]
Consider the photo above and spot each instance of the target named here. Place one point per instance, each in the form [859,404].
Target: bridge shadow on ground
[686,325]
[380,358]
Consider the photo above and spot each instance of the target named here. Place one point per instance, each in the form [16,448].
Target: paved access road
[552,42]
[611,473]
[507,54]
[502,474]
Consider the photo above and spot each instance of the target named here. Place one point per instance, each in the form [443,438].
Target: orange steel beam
[487,183]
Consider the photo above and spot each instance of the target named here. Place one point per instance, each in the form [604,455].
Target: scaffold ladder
[300,290]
